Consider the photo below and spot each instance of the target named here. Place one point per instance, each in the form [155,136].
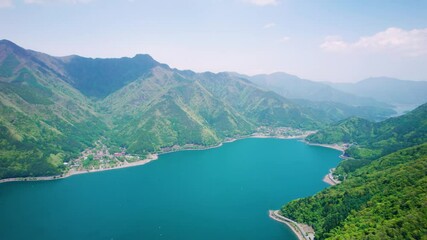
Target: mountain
[383,194]
[401,93]
[338,111]
[322,97]
[169,107]
[372,140]
[293,87]
[55,107]
[383,200]
[44,121]
[100,77]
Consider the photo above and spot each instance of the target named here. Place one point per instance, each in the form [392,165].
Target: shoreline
[295,227]
[155,156]
[335,146]
[230,140]
[301,231]
[73,172]
[329,178]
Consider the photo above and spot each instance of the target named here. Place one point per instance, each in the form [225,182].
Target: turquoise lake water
[220,193]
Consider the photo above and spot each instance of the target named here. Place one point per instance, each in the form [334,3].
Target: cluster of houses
[280,132]
[100,156]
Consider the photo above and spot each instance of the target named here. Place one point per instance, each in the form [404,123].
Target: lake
[219,193]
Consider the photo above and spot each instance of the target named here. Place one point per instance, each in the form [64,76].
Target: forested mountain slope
[43,120]
[383,200]
[54,107]
[383,193]
[169,107]
[371,140]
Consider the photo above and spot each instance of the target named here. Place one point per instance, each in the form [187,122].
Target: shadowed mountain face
[101,77]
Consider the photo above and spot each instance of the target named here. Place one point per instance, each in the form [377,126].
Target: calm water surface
[221,193]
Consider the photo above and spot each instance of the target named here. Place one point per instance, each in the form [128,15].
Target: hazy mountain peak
[292,86]
[9,44]
[7,47]
[386,89]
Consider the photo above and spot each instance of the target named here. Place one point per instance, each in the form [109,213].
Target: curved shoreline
[72,172]
[154,156]
[329,178]
[341,148]
[302,231]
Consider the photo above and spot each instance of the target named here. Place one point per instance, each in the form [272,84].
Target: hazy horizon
[335,41]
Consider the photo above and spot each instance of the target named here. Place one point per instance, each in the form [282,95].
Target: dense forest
[383,194]
[371,140]
[383,200]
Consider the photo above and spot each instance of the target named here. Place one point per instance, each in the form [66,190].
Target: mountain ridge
[139,104]
[392,90]
[292,86]
[148,108]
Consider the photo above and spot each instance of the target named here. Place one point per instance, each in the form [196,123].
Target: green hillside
[372,140]
[169,107]
[383,200]
[369,140]
[43,121]
[383,194]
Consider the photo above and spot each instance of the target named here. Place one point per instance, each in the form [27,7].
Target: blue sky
[323,40]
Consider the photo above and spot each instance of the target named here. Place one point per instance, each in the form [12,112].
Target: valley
[53,108]
[65,116]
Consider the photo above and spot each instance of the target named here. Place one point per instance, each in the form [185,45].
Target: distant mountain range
[54,107]
[403,94]
[383,92]
[293,87]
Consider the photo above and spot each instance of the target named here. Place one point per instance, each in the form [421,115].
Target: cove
[219,193]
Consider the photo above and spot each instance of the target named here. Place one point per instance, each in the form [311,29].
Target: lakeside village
[102,157]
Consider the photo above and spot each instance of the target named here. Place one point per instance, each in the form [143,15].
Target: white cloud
[56,1]
[263,2]
[285,39]
[396,40]
[334,44]
[269,25]
[6,3]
